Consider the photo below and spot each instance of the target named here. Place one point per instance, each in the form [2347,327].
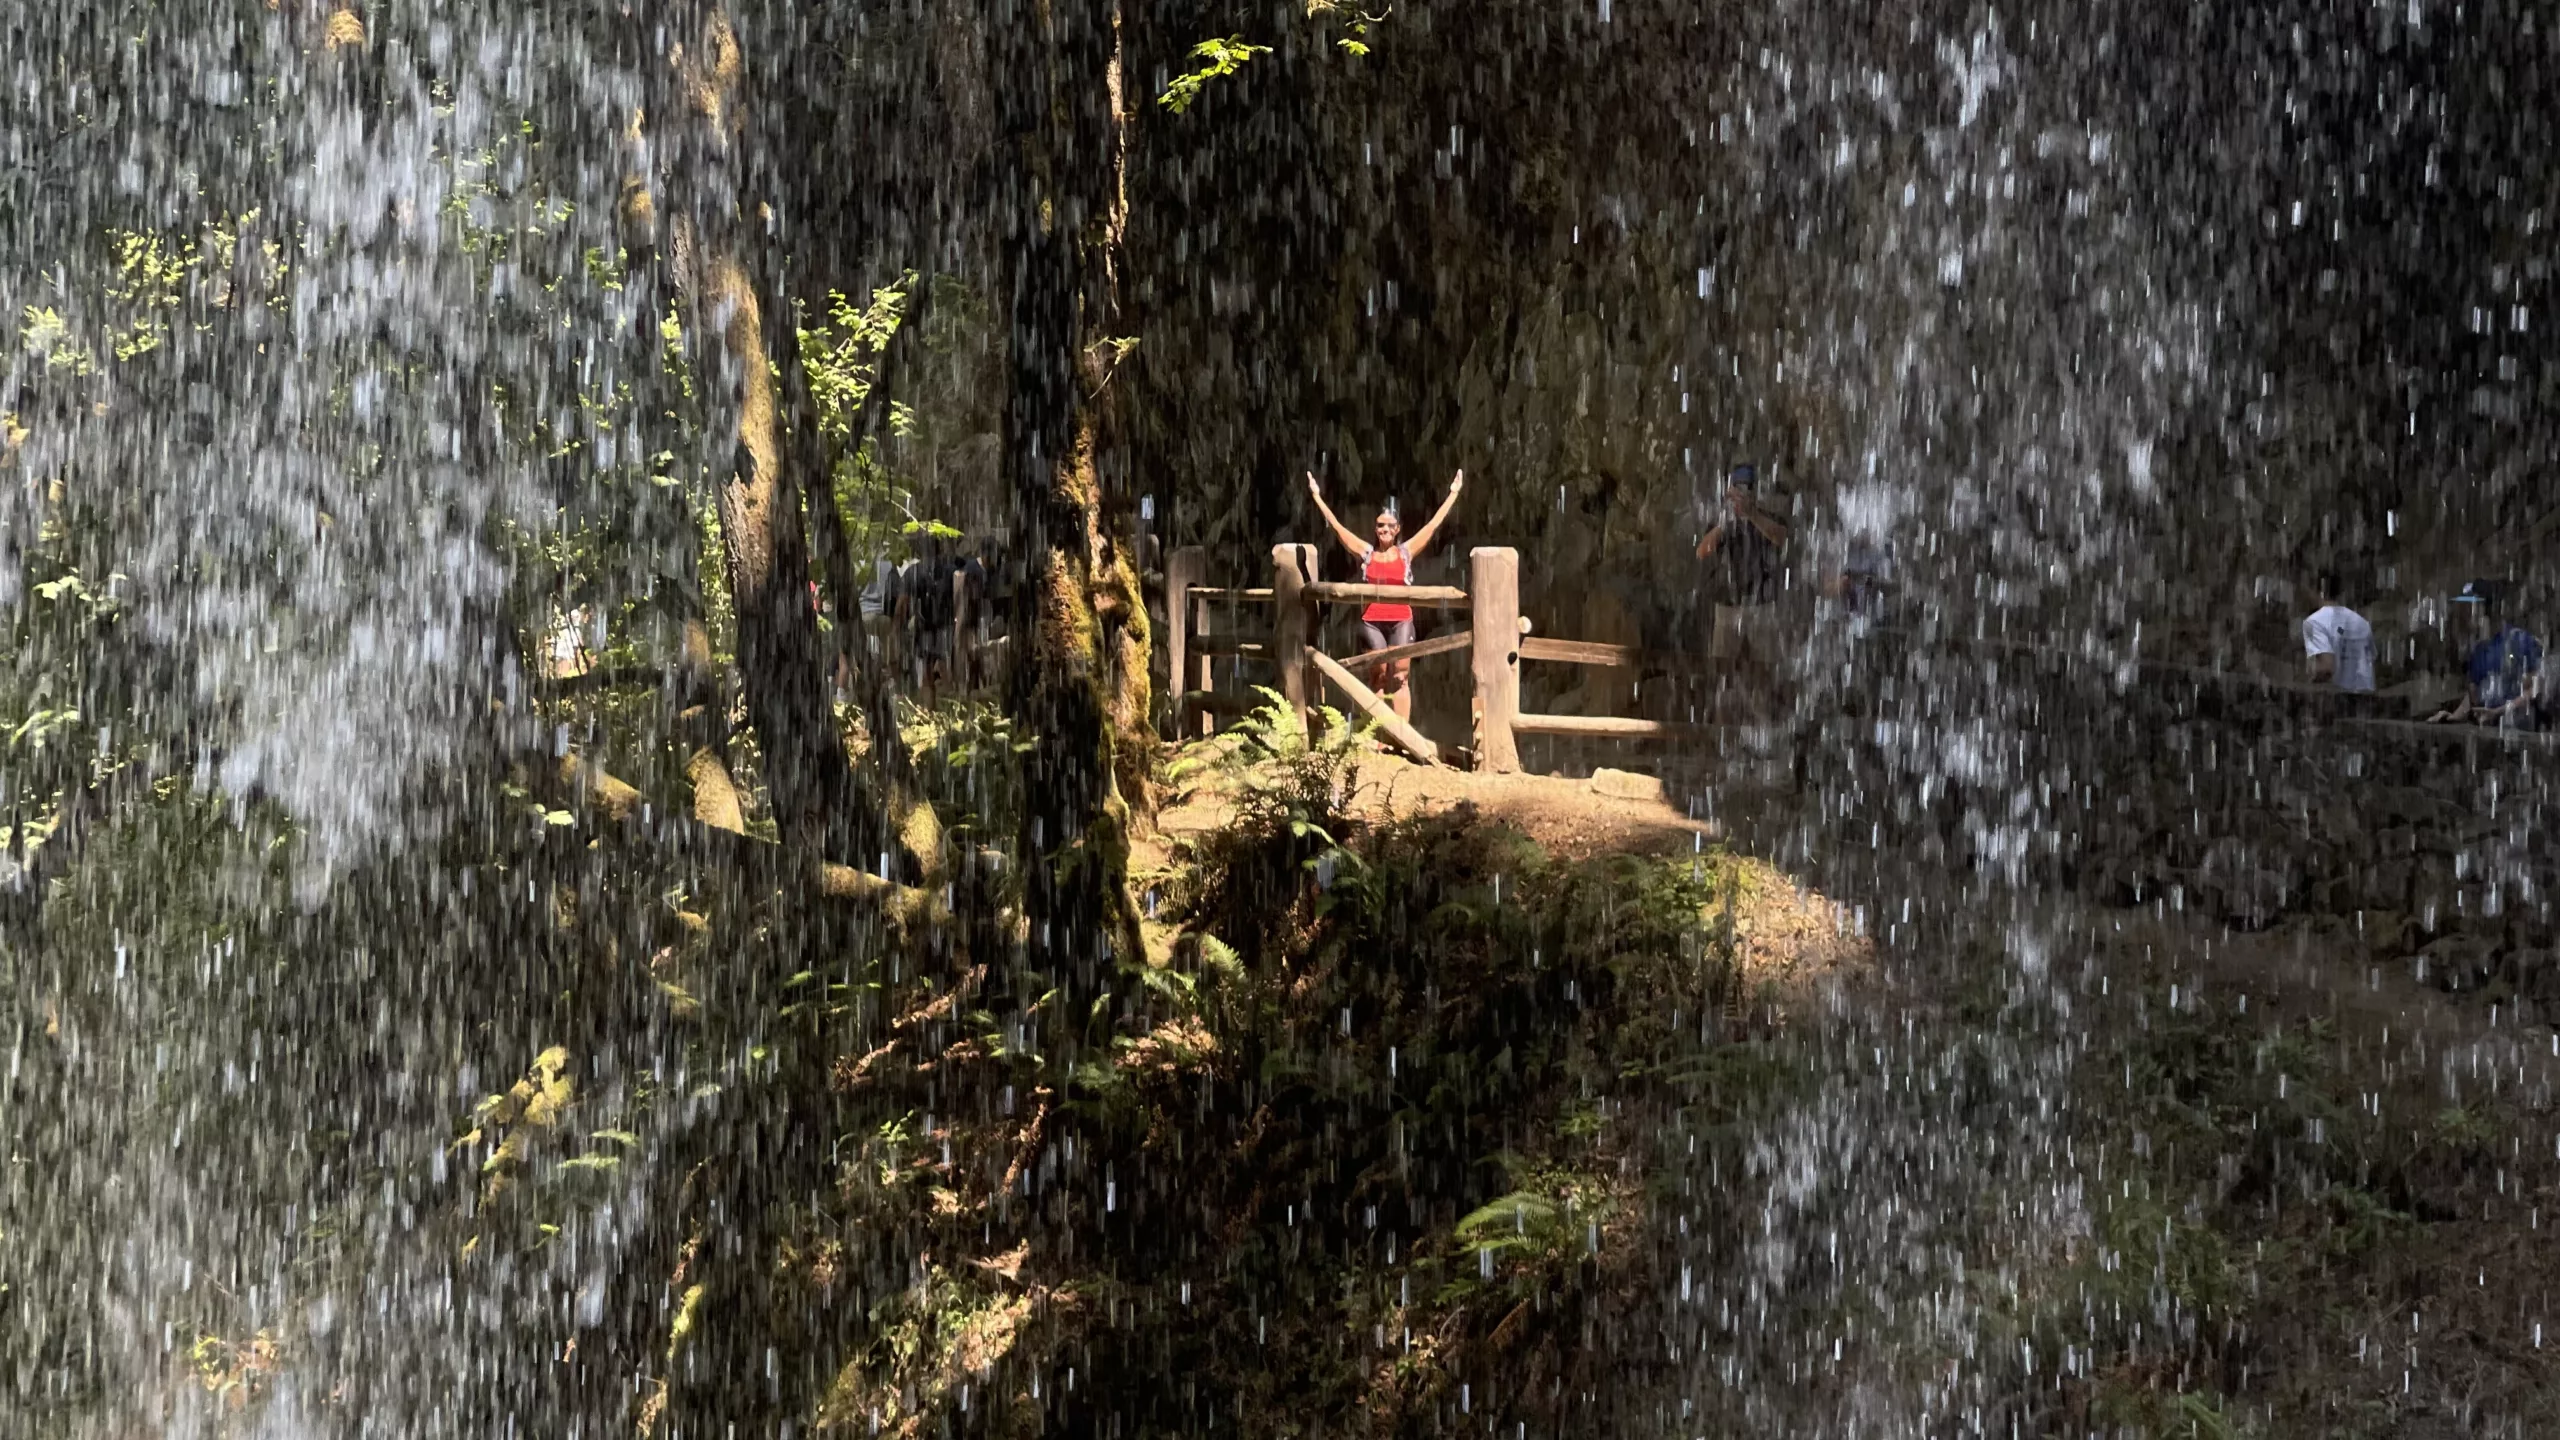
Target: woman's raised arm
[1349,541]
[1422,538]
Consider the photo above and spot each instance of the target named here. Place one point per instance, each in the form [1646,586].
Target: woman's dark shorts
[1385,634]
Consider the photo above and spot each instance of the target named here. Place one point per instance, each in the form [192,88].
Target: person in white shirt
[2339,642]
[879,605]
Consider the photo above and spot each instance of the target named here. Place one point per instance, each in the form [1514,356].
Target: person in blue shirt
[2503,677]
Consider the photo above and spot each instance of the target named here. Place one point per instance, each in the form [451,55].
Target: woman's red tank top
[1388,567]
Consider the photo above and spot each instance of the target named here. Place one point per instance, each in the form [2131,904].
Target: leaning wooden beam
[1612,726]
[1339,592]
[1579,652]
[1413,742]
[1436,645]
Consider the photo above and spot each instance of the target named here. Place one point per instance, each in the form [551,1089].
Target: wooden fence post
[1183,569]
[1493,590]
[1293,622]
[1207,665]
[964,623]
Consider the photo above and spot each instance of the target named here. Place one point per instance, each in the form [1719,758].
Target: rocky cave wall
[2117,322]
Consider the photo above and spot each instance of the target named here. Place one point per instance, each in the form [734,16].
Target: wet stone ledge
[2238,802]
[2428,846]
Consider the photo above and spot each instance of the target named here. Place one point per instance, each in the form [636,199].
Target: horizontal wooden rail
[1436,597]
[1436,645]
[1258,595]
[1579,652]
[1217,702]
[1615,727]
[1413,742]
[1229,645]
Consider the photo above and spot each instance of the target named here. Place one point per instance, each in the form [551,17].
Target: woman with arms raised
[1388,561]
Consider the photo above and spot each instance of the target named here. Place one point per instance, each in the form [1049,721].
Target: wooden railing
[1496,639]
[1193,653]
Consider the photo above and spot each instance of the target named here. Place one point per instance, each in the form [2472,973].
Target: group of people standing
[2502,681]
[912,610]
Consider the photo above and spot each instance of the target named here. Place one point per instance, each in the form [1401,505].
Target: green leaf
[1505,1220]
[1218,58]
[1174,985]
[41,725]
[1218,955]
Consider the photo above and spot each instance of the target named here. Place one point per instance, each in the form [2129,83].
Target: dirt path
[1794,941]
[1612,813]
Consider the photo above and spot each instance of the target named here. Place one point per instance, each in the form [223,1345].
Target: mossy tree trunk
[741,317]
[1078,690]
[730,272]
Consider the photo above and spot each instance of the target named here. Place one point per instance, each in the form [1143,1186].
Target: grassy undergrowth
[1370,1148]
